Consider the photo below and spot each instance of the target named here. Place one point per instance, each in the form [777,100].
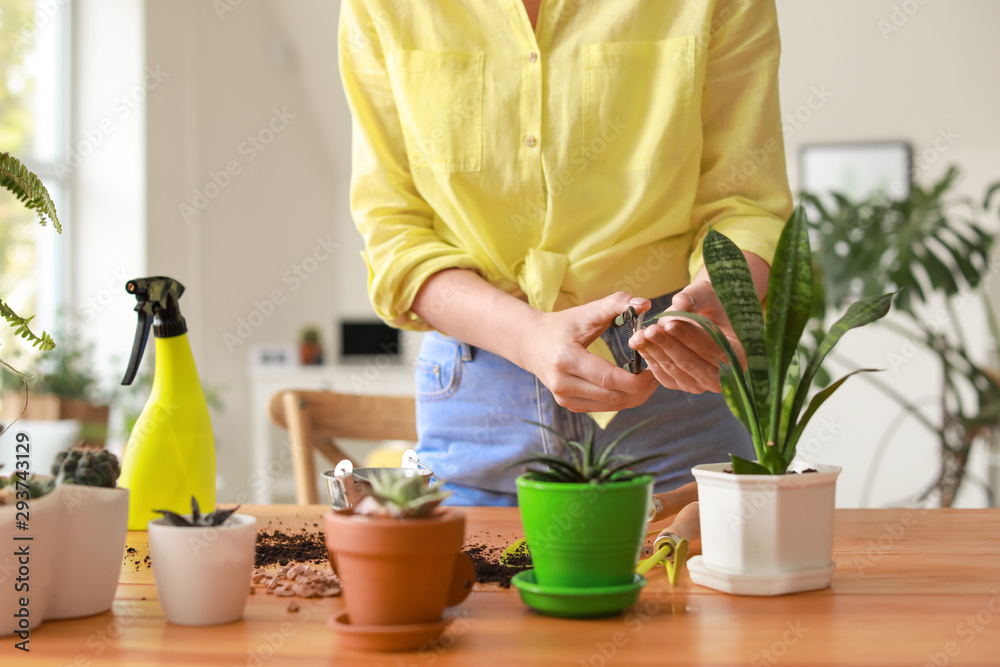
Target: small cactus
[401,496]
[89,467]
[9,487]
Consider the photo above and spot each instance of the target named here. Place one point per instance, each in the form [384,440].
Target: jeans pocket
[438,368]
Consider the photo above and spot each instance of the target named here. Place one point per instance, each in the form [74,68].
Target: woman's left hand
[678,351]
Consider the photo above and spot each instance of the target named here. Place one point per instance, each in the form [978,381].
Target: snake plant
[771,396]
[583,463]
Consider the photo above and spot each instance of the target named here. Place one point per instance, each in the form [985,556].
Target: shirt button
[529,142]
[532,57]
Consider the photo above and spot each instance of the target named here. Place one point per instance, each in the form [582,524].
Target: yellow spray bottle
[170,455]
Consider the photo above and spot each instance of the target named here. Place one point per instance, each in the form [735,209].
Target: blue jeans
[471,407]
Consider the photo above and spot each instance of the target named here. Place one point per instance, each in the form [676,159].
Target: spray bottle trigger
[138,344]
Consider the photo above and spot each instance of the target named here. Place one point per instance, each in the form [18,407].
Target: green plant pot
[584,535]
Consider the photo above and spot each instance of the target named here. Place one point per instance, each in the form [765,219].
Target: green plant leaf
[28,189]
[743,467]
[733,284]
[789,306]
[605,456]
[734,398]
[814,405]
[858,314]
[741,386]
[43,342]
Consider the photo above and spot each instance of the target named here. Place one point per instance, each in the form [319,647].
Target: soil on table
[281,547]
[488,567]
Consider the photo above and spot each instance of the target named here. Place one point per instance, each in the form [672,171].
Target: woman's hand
[552,346]
[678,351]
[555,350]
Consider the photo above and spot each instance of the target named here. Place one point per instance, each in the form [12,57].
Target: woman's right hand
[552,346]
[555,346]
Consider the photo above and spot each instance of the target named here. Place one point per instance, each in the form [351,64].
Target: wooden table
[911,587]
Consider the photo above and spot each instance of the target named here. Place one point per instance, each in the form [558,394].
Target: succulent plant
[36,487]
[581,464]
[89,467]
[216,518]
[400,495]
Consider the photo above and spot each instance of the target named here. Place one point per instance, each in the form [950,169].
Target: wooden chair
[315,419]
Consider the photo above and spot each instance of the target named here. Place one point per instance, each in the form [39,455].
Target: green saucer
[577,602]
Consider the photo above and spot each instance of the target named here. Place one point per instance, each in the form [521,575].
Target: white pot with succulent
[203,564]
[77,523]
[767,525]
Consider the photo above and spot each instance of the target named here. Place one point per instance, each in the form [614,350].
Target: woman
[523,172]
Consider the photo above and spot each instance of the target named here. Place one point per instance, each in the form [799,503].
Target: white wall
[894,70]
[230,69]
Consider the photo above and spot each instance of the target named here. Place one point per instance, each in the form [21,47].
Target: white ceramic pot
[27,576]
[93,530]
[203,573]
[765,534]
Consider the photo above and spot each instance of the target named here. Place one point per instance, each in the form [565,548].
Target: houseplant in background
[203,564]
[28,189]
[934,247]
[400,561]
[767,530]
[584,517]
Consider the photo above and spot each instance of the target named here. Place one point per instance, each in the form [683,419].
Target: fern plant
[583,463]
[29,190]
[771,396]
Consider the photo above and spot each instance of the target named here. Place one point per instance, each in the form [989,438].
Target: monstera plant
[934,247]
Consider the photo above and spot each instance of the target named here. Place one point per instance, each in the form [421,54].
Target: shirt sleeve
[401,247]
[743,189]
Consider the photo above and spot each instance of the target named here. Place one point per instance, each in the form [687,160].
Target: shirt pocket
[439,97]
[639,104]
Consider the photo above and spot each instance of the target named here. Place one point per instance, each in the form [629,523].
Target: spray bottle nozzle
[157,303]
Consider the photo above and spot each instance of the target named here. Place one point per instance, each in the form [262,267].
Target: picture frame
[857,170]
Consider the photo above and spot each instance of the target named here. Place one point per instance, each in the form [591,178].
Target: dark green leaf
[789,305]
[744,467]
[733,284]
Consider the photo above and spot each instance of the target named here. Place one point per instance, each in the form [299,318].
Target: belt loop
[466,350]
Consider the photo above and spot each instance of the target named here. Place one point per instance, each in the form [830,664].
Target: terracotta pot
[400,571]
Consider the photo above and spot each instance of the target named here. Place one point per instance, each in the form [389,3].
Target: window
[33,127]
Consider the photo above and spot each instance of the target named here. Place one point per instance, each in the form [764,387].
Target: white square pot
[767,525]
[203,573]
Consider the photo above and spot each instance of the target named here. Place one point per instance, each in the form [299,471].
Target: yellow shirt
[565,163]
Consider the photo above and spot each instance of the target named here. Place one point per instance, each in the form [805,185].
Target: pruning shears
[633,321]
